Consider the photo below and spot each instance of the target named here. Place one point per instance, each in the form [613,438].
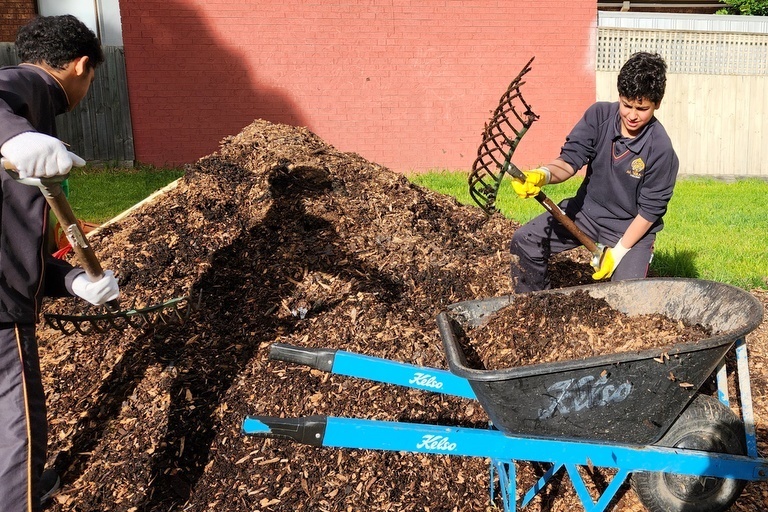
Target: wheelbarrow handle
[307,430]
[560,216]
[54,195]
[318,358]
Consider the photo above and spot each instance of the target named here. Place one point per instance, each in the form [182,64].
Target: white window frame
[101,16]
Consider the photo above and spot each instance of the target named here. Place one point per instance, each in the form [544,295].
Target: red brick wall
[14,14]
[405,84]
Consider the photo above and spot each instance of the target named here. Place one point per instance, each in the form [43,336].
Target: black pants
[23,427]
[543,236]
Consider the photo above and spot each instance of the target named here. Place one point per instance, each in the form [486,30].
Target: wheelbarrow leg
[606,496]
[540,484]
[722,384]
[745,394]
[747,413]
[507,475]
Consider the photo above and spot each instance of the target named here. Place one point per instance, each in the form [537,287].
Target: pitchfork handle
[54,194]
[558,214]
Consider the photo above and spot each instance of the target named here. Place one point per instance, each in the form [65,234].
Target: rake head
[501,135]
[173,312]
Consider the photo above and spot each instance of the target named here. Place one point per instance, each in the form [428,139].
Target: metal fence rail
[99,129]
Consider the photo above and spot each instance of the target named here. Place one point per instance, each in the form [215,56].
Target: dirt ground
[279,237]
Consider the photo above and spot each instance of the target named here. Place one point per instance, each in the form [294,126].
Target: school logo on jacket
[638,166]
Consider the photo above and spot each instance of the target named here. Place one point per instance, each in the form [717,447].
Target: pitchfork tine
[146,318]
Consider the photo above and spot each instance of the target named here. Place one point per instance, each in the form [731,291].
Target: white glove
[36,155]
[611,259]
[98,292]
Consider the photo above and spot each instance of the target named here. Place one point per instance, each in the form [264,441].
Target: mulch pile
[553,327]
[279,237]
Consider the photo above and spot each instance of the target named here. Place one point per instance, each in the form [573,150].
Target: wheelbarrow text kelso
[681,449]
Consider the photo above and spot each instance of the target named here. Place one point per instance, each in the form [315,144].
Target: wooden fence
[99,128]
[716,104]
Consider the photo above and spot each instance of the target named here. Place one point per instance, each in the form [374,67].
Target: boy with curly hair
[630,176]
[59,56]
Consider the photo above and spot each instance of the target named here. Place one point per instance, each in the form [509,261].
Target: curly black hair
[644,75]
[58,40]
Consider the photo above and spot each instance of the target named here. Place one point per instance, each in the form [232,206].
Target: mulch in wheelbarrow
[281,238]
[545,328]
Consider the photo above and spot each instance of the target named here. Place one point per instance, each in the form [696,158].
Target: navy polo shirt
[625,176]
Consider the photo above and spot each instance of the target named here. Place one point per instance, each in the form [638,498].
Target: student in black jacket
[631,173]
[59,57]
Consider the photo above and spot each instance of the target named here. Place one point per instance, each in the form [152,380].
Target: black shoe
[49,484]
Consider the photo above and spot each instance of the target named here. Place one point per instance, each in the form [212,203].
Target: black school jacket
[625,177]
[30,100]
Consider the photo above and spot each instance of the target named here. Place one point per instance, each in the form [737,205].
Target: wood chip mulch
[279,237]
[557,327]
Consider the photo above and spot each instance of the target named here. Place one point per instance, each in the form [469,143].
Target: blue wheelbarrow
[682,450]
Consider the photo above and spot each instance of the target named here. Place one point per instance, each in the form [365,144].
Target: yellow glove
[534,180]
[610,260]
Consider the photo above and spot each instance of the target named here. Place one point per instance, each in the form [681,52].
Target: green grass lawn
[98,194]
[713,229]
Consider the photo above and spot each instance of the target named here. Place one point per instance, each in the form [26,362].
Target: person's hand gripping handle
[597,250]
[54,194]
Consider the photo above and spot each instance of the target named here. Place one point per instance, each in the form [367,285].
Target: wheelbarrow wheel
[708,425]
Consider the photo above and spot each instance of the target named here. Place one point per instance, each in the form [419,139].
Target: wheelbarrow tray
[628,397]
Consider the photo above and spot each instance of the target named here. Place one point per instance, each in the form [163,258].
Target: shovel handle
[54,195]
[559,215]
